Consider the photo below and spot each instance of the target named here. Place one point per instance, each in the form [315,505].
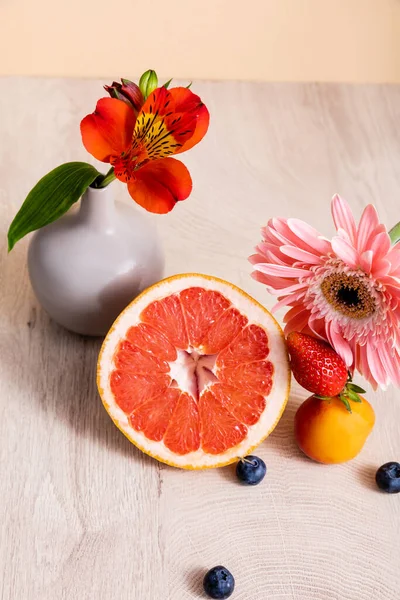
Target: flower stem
[394,234]
[106,180]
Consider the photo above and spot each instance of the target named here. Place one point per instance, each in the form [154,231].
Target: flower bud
[148,83]
[128,91]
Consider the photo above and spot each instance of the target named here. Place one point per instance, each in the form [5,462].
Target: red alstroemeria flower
[169,122]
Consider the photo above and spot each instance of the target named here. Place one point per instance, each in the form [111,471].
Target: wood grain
[84,515]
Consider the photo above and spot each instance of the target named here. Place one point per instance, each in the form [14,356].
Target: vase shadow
[120,292]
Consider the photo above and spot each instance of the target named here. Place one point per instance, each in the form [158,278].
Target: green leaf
[322,397]
[394,234]
[345,402]
[167,83]
[353,396]
[51,197]
[355,388]
[189,86]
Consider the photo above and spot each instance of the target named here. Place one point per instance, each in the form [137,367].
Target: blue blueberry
[251,470]
[388,477]
[219,583]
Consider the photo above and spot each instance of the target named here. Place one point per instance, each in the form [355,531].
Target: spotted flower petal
[108,131]
[161,129]
[160,184]
[187,102]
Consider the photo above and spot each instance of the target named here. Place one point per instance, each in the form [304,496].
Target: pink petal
[275,237]
[391,363]
[297,287]
[281,226]
[301,255]
[340,345]
[256,258]
[275,251]
[368,223]
[276,285]
[375,365]
[363,367]
[380,246]
[260,277]
[318,327]
[289,300]
[394,258]
[366,261]
[343,217]
[345,251]
[393,288]
[281,271]
[380,229]
[342,233]
[380,268]
[296,320]
[310,236]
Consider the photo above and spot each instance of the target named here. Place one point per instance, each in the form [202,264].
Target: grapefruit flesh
[194,372]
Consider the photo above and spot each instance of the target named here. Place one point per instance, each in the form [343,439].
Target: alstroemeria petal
[160,184]
[108,131]
[128,92]
[161,131]
[187,101]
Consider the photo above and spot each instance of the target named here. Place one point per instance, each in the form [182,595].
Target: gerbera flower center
[349,295]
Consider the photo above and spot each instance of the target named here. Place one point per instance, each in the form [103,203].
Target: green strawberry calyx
[350,393]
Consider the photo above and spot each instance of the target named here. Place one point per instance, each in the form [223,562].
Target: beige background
[86,516]
[281,40]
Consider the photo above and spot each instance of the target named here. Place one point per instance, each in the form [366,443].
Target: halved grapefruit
[194,372]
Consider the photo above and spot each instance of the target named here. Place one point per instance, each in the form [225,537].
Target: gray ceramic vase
[88,265]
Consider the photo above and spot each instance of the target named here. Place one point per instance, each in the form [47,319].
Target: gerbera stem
[395,234]
[107,179]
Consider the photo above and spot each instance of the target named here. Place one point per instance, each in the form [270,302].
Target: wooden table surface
[83,514]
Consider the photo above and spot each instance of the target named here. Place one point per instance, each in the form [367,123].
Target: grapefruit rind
[256,313]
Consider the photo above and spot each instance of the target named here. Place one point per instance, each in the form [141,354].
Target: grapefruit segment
[194,372]
[132,358]
[153,416]
[201,309]
[131,390]
[250,345]
[166,315]
[183,432]
[223,331]
[245,405]
[254,376]
[152,341]
[220,430]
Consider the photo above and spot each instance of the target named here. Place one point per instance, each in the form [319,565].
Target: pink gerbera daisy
[345,291]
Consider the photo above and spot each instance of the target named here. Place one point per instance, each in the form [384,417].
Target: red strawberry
[316,366]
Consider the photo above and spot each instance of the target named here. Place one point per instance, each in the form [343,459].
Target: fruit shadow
[282,441]
[366,475]
[60,369]
[84,412]
[194,581]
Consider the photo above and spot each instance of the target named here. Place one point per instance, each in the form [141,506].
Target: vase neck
[98,208]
